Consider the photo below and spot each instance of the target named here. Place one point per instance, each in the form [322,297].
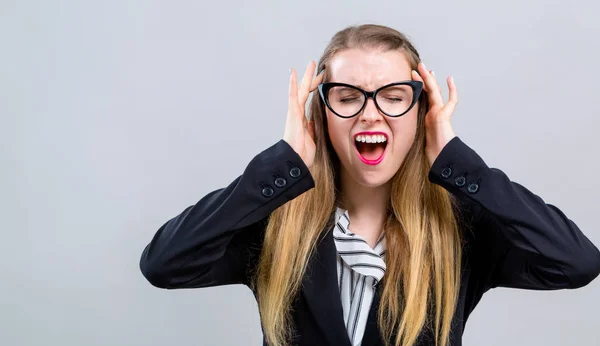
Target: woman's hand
[300,133]
[437,121]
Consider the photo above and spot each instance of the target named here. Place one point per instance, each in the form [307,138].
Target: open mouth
[370,146]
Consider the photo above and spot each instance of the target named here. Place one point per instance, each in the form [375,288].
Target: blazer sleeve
[519,241]
[217,241]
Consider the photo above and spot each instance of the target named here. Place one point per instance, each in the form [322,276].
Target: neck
[365,204]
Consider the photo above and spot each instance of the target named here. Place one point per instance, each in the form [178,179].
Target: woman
[372,223]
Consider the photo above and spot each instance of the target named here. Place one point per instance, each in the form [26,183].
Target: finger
[430,84]
[318,80]
[306,82]
[453,95]
[417,77]
[435,93]
[293,91]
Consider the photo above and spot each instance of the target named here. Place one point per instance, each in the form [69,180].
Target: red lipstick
[364,159]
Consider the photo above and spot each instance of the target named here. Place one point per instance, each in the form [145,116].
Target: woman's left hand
[438,130]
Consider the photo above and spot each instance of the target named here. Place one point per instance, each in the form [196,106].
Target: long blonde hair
[423,257]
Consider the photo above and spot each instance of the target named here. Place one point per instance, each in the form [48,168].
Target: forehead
[369,68]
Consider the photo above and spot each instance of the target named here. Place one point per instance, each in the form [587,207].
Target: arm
[218,240]
[518,240]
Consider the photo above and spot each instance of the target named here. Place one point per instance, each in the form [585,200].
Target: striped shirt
[359,269]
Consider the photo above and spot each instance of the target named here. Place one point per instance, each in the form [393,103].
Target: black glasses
[393,100]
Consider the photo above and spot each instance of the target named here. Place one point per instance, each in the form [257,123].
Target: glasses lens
[395,99]
[345,101]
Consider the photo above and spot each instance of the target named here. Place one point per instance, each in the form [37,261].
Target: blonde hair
[423,258]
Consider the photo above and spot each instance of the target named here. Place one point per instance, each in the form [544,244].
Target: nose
[370,114]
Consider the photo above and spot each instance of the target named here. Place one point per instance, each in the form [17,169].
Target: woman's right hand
[299,132]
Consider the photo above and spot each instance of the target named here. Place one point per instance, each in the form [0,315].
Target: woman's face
[363,162]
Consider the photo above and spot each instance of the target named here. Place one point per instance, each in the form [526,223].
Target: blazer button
[460,181]
[295,172]
[473,187]
[446,172]
[280,182]
[267,191]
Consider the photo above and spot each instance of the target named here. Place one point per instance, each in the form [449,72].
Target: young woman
[371,223]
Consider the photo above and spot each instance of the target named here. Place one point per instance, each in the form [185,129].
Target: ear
[311,129]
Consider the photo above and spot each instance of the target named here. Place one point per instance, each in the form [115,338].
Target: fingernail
[433,72]
[290,71]
[424,66]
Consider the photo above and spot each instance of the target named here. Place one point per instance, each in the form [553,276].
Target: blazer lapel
[372,335]
[320,287]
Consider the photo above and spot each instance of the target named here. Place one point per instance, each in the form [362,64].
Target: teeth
[371,139]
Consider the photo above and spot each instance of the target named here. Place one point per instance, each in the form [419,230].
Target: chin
[372,179]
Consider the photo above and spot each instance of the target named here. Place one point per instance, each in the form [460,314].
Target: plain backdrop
[116,115]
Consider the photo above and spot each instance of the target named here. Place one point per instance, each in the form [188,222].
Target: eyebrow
[364,88]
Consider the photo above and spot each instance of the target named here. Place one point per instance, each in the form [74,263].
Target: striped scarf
[359,270]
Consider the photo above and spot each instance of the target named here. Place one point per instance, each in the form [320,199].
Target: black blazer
[512,239]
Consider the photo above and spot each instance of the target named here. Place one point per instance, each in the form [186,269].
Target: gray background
[115,116]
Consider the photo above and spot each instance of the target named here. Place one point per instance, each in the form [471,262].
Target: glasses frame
[417,88]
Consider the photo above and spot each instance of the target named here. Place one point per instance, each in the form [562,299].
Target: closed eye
[393,99]
[348,100]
